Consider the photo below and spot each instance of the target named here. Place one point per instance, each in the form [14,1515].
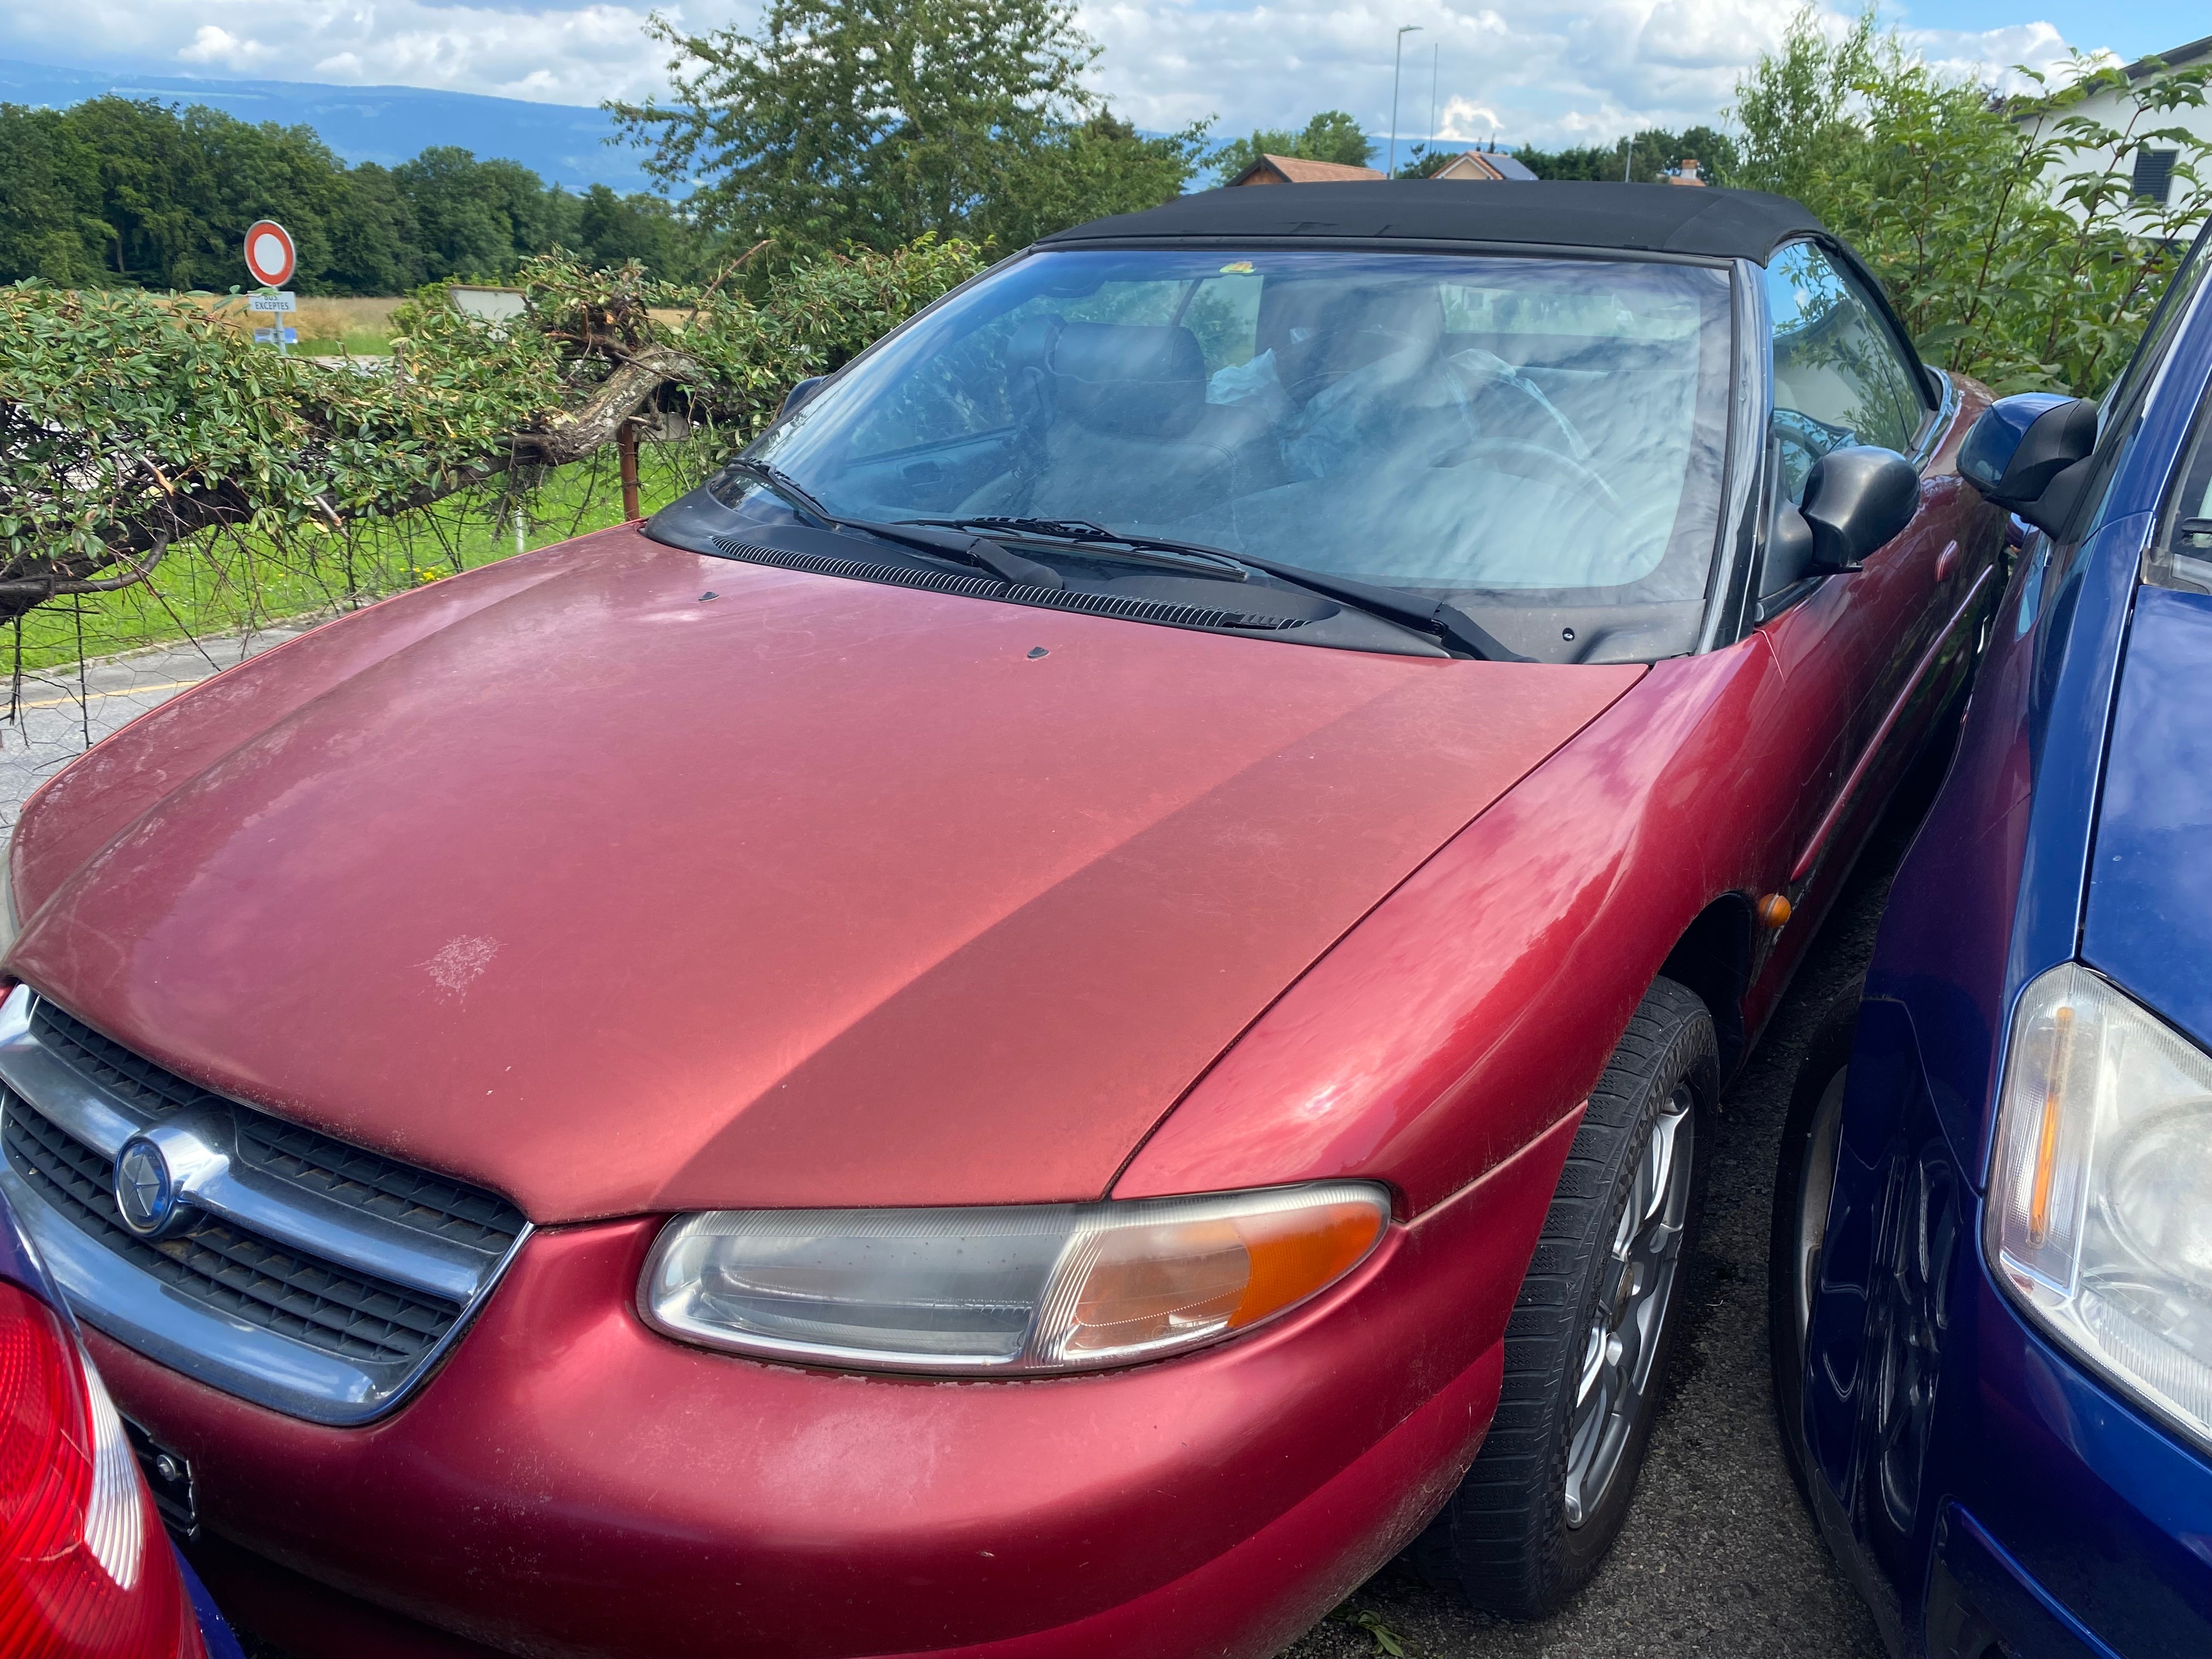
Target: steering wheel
[1578,477]
[1504,376]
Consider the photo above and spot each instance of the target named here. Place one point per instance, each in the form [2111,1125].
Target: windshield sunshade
[1538,441]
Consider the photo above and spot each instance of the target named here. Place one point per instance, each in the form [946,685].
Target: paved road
[61,712]
[1717,1558]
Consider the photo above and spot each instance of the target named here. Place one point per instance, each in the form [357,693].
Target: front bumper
[2079,1529]
[570,1483]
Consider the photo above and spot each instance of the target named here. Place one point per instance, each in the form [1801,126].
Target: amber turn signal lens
[1166,1283]
[1775,911]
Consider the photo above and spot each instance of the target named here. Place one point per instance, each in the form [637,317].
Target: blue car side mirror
[2028,454]
[799,393]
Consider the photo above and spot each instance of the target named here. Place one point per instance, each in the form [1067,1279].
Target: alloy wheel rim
[1636,1289]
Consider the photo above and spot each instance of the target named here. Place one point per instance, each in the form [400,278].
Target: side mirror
[799,393]
[2026,454]
[1857,500]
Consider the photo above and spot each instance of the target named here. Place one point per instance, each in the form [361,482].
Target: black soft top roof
[1747,224]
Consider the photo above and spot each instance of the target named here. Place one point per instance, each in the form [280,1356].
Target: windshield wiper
[1438,616]
[1089,537]
[782,484]
[979,550]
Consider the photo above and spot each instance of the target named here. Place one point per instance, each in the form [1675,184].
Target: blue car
[87,1570]
[1992,1251]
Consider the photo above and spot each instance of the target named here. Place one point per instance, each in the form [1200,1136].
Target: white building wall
[2114,109]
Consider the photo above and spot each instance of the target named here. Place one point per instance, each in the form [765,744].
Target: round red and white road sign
[269,254]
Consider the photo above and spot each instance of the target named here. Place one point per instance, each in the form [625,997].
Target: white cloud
[557,54]
[1543,72]
[1546,71]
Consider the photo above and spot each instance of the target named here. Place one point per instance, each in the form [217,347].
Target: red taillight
[85,1572]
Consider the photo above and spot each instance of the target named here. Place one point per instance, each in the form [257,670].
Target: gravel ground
[1718,1556]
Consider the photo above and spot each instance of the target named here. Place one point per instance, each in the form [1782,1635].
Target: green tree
[473,218]
[1087,171]
[375,244]
[127,193]
[1799,134]
[876,121]
[612,228]
[1331,136]
[50,223]
[1643,158]
[1945,190]
[1422,162]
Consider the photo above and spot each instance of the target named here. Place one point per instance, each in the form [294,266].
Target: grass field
[224,584]
[327,328]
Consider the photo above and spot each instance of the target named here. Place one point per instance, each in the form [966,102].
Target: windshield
[1537,440]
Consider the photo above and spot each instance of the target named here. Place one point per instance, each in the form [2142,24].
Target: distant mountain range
[562,143]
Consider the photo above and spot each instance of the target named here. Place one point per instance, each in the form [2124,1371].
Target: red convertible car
[1073,1004]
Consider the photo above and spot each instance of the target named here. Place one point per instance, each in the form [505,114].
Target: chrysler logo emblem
[146,1193]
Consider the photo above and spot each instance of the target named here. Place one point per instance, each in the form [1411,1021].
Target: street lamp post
[1436,66]
[1397,73]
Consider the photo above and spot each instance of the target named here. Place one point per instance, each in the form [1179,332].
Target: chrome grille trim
[322,1280]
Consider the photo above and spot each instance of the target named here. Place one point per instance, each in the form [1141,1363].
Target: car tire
[1804,1178]
[1585,1361]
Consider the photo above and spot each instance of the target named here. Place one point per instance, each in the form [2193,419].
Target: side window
[2182,558]
[1839,376]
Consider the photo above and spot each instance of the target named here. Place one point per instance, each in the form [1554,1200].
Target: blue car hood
[2150,873]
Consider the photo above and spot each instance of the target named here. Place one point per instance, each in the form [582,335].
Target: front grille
[228,1267]
[309,1274]
[347,1175]
[128,1077]
[376,1186]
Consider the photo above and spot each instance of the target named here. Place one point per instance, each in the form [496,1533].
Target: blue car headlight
[2100,1191]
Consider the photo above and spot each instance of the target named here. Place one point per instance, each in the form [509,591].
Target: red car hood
[620,878]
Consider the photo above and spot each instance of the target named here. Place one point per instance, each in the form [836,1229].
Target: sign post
[277,306]
[271,259]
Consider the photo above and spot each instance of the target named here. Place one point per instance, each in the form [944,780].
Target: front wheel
[1587,1346]
[1804,1181]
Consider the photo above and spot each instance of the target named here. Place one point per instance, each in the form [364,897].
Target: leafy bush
[2005,229]
[129,423]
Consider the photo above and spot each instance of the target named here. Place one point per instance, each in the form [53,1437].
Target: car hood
[619,879]
[2150,877]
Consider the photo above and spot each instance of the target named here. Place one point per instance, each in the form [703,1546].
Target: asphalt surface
[1718,1557]
[60,714]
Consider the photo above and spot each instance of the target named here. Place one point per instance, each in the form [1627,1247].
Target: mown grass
[361,327]
[223,583]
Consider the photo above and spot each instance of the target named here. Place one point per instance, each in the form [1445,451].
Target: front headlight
[1018,1289]
[2101,1195]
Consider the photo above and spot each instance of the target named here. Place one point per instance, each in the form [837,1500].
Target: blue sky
[1543,72]
[2133,29]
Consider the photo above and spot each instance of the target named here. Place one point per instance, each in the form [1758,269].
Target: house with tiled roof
[1297,170]
[1483,167]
